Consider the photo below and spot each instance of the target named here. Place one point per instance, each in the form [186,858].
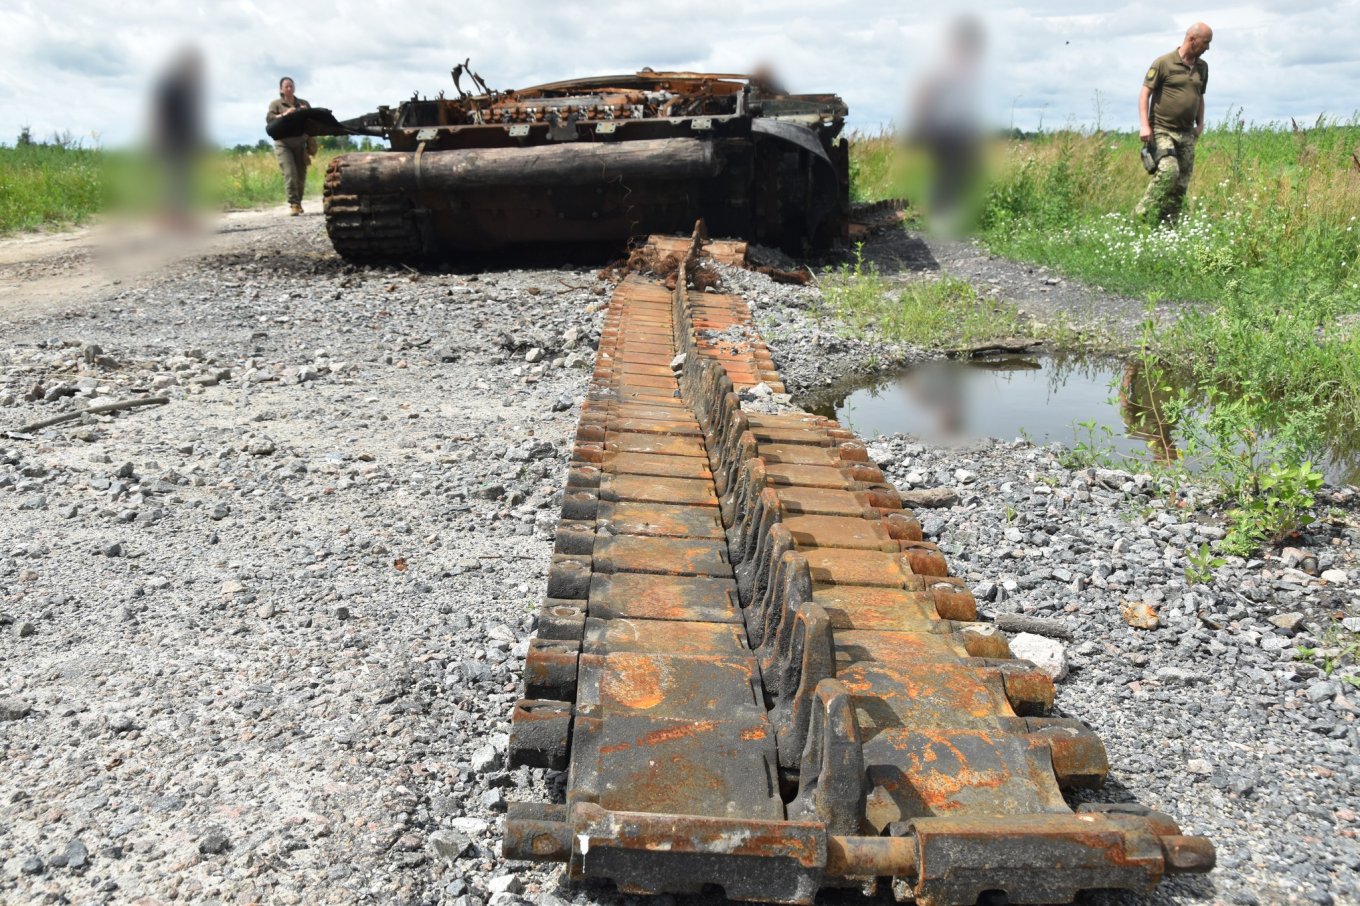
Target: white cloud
[85,67]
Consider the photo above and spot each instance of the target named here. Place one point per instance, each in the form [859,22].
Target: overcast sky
[84,67]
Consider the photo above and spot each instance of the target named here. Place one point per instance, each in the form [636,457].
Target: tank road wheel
[370,228]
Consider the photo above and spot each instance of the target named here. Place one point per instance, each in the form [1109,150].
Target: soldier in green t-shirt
[1171,117]
[292,153]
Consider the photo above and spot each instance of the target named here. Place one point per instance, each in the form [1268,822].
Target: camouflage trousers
[292,157]
[1165,193]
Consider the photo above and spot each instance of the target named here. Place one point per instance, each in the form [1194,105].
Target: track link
[369,228]
[759,676]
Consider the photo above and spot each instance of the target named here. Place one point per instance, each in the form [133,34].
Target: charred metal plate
[935,695]
[664,637]
[856,607]
[654,489]
[1032,859]
[784,475]
[767,861]
[802,437]
[840,531]
[897,650]
[659,519]
[671,688]
[826,502]
[717,768]
[644,380]
[644,597]
[921,774]
[830,566]
[790,454]
[662,466]
[629,370]
[662,556]
[655,443]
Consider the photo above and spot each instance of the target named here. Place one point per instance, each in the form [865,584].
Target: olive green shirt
[1177,90]
[278,107]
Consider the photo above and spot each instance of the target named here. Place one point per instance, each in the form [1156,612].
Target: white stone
[1334,576]
[504,884]
[474,827]
[1046,654]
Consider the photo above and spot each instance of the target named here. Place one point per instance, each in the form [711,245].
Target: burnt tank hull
[594,161]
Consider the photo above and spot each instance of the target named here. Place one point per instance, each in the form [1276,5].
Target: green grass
[41,185]
[50,186]
[252,179]
[1262,268]
[943,313]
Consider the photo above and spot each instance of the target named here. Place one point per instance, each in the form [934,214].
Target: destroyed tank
[597,160]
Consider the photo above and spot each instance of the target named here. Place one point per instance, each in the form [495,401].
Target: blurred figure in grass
[293,153]
[177,134]
[1170,119]
[945,121]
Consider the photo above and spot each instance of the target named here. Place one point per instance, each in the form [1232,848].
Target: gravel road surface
[259,644]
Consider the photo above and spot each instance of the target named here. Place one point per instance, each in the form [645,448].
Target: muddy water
[1046,398]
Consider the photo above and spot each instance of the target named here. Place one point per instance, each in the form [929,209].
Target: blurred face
[286,88]
[1199,42]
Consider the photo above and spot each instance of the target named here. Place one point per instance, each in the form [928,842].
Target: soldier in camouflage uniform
[292,153]
[1171,117]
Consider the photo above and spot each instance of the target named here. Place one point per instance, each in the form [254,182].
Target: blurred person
[1170,119]
[945,121]
[293,153]
[177,132]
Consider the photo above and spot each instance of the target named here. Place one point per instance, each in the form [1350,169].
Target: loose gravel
[260,644]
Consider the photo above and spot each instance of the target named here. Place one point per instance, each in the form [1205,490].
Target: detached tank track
[370,228]
[760,677]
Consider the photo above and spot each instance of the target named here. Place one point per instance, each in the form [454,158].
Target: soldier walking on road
[292,153]
[1171,118]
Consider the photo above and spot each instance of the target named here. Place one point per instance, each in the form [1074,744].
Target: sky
[83,68]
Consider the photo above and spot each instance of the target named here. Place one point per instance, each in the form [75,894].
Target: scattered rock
[12,708]
[485,760]
[1140,614]
[213,843]
[1046,654]
[930,498]
[449,844]
[1289,622]
[76,855]
[504,884]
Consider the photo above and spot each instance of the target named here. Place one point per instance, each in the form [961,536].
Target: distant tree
[336,143]
[264,145]
[25,138]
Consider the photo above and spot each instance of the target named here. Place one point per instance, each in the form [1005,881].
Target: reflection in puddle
[1047,398]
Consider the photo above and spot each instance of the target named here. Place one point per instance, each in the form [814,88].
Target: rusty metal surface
[597,160]
[759,676]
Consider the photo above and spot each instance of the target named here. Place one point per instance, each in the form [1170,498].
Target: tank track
[760,677]
[369,228]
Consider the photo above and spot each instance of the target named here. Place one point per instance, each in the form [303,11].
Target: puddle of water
[1039,397]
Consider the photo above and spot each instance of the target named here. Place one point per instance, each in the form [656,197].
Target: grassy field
[1262,272]
[45,185]
[1270,240]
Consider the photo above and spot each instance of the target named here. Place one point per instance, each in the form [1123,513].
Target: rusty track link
[369,227]
[759,676]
